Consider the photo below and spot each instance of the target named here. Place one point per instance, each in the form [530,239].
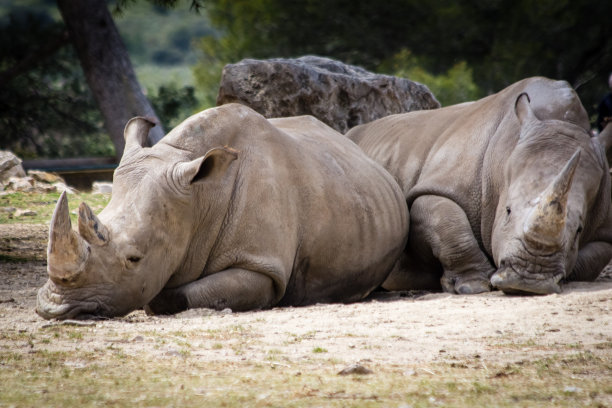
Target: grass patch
[81,378]
[43,205]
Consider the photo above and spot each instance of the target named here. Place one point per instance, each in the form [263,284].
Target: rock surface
[340,95]
[10,166]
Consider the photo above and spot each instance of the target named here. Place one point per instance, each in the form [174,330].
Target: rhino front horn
[67,251]
[546,221]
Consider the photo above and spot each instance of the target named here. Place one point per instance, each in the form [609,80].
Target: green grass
[44,204]
[86,378]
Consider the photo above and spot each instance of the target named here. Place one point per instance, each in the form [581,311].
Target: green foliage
[208,71]
[454,86]
[162,32]
[47,110]
[173,104]
[499,41]
[45,107]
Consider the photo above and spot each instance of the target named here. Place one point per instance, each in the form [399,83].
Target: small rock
[571,390]
[25,213]
[355,369]
[45,177]
[226,311]
[41,187]
[24,184]
[75,364]
[172,353]
[9,210]
[101,187]
[137,339]
[61,187]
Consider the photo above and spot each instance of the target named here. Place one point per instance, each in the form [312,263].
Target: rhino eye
[578,231]
[508,210]
[134,259]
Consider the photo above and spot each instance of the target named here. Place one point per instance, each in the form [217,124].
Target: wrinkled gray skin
[509,191]
[229,210]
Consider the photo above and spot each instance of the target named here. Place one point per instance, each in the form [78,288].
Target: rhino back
[306,206]
[353,216]
[460,151]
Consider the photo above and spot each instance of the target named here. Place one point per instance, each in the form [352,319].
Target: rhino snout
[53,305]
[511,282]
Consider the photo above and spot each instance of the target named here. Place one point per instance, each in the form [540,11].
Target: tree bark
[107,67]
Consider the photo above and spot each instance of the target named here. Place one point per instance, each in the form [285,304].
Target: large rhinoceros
[510,190]
[229,210]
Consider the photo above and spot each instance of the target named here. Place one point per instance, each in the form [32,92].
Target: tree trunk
[107,67]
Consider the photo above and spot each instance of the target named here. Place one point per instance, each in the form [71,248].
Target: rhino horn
[67,251]
[90,227]
[546,221]
[136,131]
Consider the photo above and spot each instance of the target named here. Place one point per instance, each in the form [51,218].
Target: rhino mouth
[53,302]
[515,279]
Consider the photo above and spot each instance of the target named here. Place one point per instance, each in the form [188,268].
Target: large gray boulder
[341,95]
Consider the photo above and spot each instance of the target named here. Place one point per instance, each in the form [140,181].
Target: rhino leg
[592,259]
[236,289]
[444,227]
[412,273]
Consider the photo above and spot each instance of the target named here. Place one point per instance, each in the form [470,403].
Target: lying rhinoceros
[229,210]
[510,190]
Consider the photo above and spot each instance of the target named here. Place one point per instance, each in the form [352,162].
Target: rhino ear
[136,131]
[212,165]
[522,109]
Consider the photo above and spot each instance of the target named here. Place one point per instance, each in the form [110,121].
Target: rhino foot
[465,286]
[473,287]
[168,301]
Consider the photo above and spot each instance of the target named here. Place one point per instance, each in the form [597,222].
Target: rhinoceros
[229,210]
[510,191]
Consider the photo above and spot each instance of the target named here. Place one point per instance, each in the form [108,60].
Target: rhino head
[118,261]
[553,184]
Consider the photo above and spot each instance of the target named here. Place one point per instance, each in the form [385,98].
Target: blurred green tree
[501,41]
[454,86]
[47,103]
[107,67]
[42,96]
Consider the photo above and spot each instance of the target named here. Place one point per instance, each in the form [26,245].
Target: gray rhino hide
[230,210]
[473,175]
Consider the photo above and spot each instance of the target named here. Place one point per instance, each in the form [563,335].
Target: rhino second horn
[546,221]
[90,227]
[67,251]
[136,131]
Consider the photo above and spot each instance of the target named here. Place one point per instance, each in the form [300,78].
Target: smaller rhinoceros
[229,210]
[510,190]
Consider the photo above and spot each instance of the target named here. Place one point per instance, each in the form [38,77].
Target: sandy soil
[404,329]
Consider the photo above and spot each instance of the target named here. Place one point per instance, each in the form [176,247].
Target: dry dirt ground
[409,331]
